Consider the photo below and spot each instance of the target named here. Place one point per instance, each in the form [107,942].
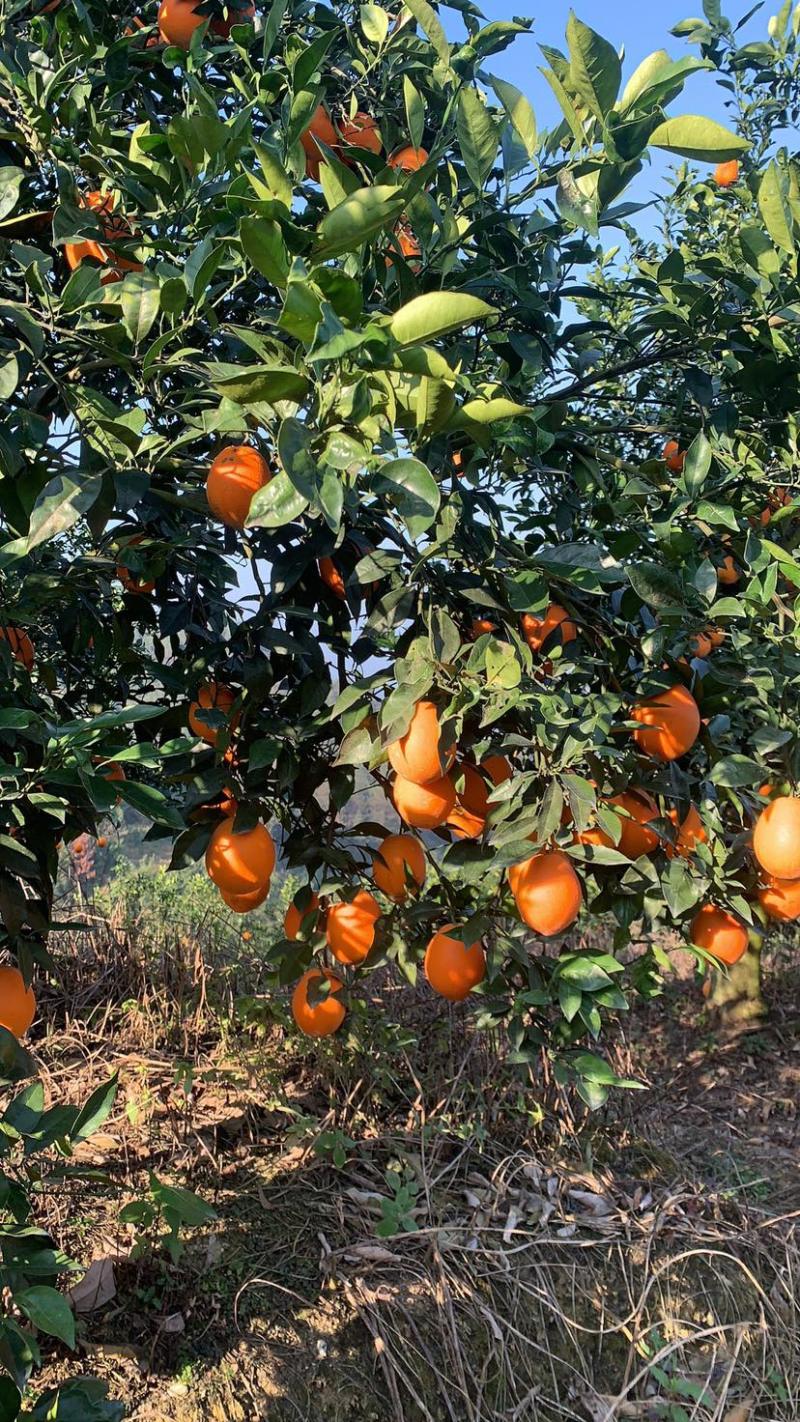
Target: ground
[416,1232]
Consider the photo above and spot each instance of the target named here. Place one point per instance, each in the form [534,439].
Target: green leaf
[773,202]
[415,111]
[257,384]
[49,1311]
[149,802]
[595,68]
[276,504]
[426,16]
[263,244]
[361,216]
[427,317]
[656,585]
[62,502]
[478,135]
[703,139]
[140,301]
[413,490]
[374,23]
[296,458]
[737,770]
[698,463]
[10,181]
[489,412]
[96,1110]
[519,111]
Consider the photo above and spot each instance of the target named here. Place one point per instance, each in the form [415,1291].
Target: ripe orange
[674,457]
[245,903]
[726,174]
[690,833]
[19,645]
[332,578]
[324,1016]
[101,841]
[480,627]
[400,858]
[419,755]
[320,128]
[727,573]
[240,864]
[538,630]
[776,838]
[635,837]
[178,20]
[114,226]
[295,920]
[408,159]
[79,845]
[452,967]
[720,934]
[424,806]
[468,819]
[213,695]
[235,476]
[17,1003]
[779,498]
[128,579]
[780,898]
[547,891]
[670,723]
[350,928]
[407,241]
[361,131]
[246,936]
[497,768]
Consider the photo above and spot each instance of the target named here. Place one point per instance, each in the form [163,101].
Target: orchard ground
[407,1227]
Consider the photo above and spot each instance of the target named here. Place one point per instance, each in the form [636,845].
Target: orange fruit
[19,645]
[128,579]
[79,845]
[780,899]
[727,573]
[497,768]
[295,920]
[776,838]
[350,928]
[538,630]
[726,174]
[17,1003]
[240,864]
[701,645]
[690,833]
[178,20]
[408,159]
[674,457]
[245,903]
[246,936]
[235,476]
[720,934]
[419,755]
[321,1017]
[399,859]
[332,578]
[114,227]
[320,128]
[407,241]
[216,696]
[480,627]
[101,841]
[547,891]
[669,723]
[361,131]
[635,837]
[452,967]
[468,819]
[424,806]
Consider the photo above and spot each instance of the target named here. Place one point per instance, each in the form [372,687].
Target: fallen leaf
[97,1287]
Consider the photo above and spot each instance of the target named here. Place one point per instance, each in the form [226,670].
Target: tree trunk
[735,996]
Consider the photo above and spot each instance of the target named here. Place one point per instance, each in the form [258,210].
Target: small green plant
[397,1215]
[36,1143]
[159,1216]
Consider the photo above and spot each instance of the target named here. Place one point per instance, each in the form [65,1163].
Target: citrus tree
[358,433]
